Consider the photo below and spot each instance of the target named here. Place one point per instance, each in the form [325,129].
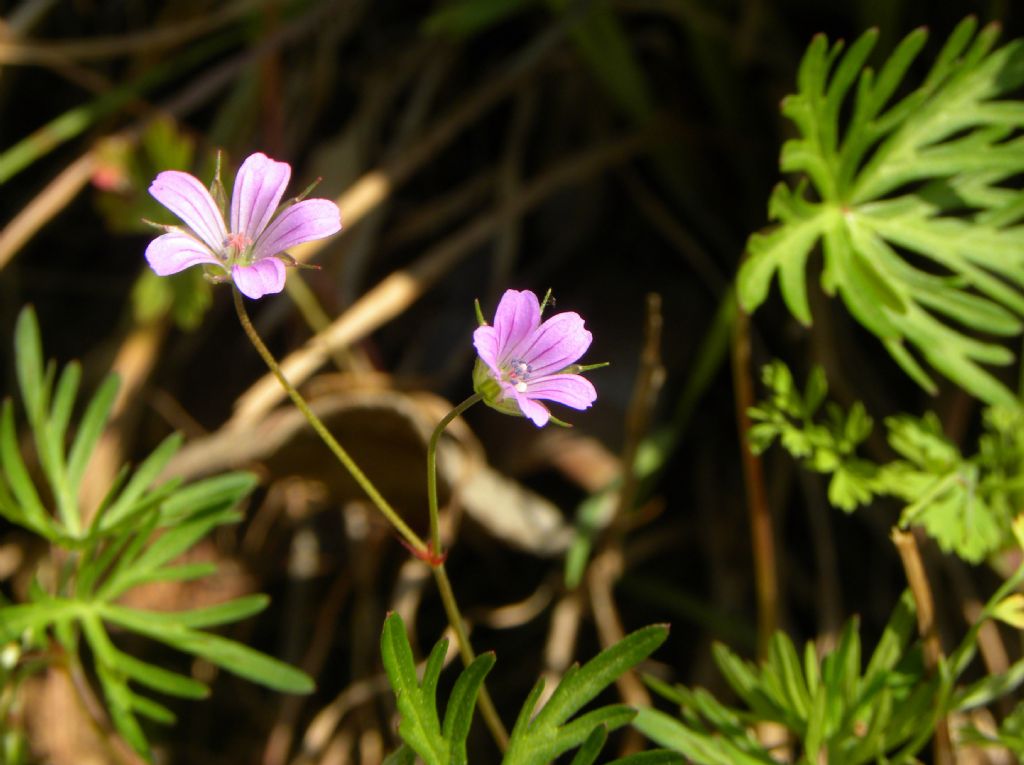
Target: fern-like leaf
[919,238]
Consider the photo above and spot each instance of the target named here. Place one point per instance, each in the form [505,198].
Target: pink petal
[302,222]
[175,251]
[485,339]
[534,410]
[518,315]
[187,198]
[259,186]
[263,277]
[559,342]
[572,390]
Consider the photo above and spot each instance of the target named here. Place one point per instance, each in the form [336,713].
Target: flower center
[518,371]
[237,246]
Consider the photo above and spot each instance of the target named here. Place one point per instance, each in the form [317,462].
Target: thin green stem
[451,609]
[410,536]
[428,553]
[444,585]
[435,437]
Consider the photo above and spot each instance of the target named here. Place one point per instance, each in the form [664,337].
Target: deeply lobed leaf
[916,179]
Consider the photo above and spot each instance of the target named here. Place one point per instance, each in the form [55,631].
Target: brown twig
[650,377]
[761,528]
[910,556]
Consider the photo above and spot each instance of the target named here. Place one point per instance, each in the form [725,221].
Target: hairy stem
[444,585]
[410,536]
[435,437]
[419,548]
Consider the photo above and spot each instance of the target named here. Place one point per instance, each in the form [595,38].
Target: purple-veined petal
[533,410]
[187,198]
[263,277]
[572,390]
[559,342]
[305,221]
[485,340]
[176,251]
[259,186]
[518,315]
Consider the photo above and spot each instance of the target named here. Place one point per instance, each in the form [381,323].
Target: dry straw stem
[399,290]
[560,646]
[57,194]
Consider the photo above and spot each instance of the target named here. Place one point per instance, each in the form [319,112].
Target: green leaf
[227,654]
[550,733]
[141,480]
[579,687]
[160,679]
[149,564]
[120,705]
[783,659]
[28,355]
[404,755]
[30,511]
[575,732]
[459,713]
[587,753]
[898,632]
[420,728]
[990,688]
[918,179]
[89,430]
[199,618]
[220,491]
[151,709]
[697,746]
[14,620]
[64,401]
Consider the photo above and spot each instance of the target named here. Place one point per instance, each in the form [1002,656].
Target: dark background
[356,86]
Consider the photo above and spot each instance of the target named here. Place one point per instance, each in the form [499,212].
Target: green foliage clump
[919,176]
[834,710]
[135,537]
[539,736]
[966,504]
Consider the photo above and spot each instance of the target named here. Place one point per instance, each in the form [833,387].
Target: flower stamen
[518,370]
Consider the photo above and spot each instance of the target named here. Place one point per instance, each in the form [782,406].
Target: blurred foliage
[134,537]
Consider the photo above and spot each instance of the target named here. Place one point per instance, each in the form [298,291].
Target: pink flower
[523,362]
[250,253]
